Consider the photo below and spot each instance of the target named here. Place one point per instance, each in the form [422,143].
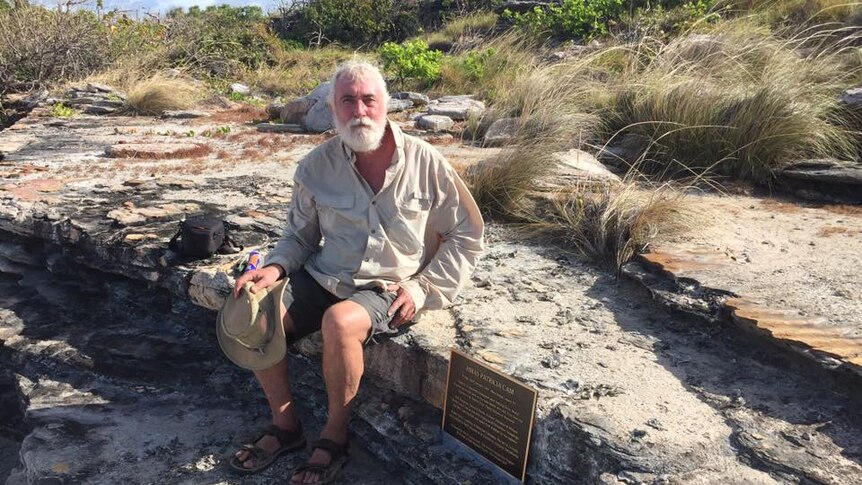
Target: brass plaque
[489,412]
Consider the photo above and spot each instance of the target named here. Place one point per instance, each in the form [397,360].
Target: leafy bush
[350,22]
[60,110]
[220,41]
[411,60]
[41,46]
[572,18]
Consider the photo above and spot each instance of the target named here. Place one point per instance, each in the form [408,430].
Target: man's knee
[289,327]
[345,321]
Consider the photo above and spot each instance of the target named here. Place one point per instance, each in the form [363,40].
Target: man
[380,227]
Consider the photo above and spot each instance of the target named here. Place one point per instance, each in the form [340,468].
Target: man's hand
[402,308]
[262,278]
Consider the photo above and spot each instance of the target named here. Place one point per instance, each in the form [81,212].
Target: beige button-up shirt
[422,231]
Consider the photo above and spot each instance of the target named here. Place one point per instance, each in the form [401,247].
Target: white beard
[362,135]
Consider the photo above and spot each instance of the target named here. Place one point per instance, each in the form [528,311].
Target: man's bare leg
[276,386]
[345,327]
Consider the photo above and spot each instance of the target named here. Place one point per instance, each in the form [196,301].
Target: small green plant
[411,60]
[583,19]
[60,110]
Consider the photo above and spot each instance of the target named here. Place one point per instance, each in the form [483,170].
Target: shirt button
[374,231]
[367,259]
[373,202]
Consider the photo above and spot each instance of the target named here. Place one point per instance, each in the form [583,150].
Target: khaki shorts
[306,302]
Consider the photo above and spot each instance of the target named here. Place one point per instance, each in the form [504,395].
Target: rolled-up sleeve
[301,236]
[459,225]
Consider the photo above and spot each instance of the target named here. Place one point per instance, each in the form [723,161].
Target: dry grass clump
[160,93]
[461,31]
[297,71]
[736,101]
[490,72]
[613,223]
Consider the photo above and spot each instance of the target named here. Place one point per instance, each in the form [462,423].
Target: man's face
[360,113]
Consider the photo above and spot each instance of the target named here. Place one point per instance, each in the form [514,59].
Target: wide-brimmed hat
[249,327]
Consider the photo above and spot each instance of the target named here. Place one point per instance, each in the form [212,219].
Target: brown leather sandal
[327,473]
[288,441]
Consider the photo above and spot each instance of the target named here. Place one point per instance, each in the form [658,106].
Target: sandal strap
[336,450]
[284,437]
[312,467]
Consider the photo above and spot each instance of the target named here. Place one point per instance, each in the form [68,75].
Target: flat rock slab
[279,128]
[782,269]
[156,151]
[628,392]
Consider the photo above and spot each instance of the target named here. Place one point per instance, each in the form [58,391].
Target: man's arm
[300,238]
[459,225]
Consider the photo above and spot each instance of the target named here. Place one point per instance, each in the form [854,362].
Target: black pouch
[201,237]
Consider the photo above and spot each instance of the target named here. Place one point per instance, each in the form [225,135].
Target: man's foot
[266,448]
[324,466]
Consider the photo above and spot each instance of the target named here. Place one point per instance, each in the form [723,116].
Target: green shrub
[350,22]
[411,60]
[220,41]
[42,46]
[583,19]
[60,110]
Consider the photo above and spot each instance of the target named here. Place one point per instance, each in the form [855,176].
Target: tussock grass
[462,31]
[490,72]
[297,71]
[613,223]
[160,93]
[736,101]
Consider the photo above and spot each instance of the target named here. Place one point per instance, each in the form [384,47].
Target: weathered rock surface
[273,111]
[184,114]
[295,110]
[730,268]
[418,99]
[434,122]
[585,167]
[458,107]
[852,98]
[318,118]
[396,105]
[239,88]
[279,128]
[111,340]
[154,151]
[502,132]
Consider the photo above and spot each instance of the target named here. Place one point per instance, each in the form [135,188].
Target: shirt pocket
[407,231]
[335,212]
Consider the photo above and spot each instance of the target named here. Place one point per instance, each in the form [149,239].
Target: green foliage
[411,60]
[351,22]
[60,110]
[573,18]
[219,40]
[40,46]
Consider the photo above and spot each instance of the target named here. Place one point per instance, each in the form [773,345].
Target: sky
[162,6]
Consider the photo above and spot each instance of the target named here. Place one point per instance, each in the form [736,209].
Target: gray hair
[356,70]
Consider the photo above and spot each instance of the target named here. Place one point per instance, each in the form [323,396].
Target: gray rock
[396,105]
[457,107]
[279,128]
[295,110]
[239,88]
[96,87]
[273,110]
[99,110]
[585,166]
[418,99]
[852,98]
[319,117]
[184,114]
[502,132]
[434,122]
[827,171]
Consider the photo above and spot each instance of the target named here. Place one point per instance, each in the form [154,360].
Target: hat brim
[263,358]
